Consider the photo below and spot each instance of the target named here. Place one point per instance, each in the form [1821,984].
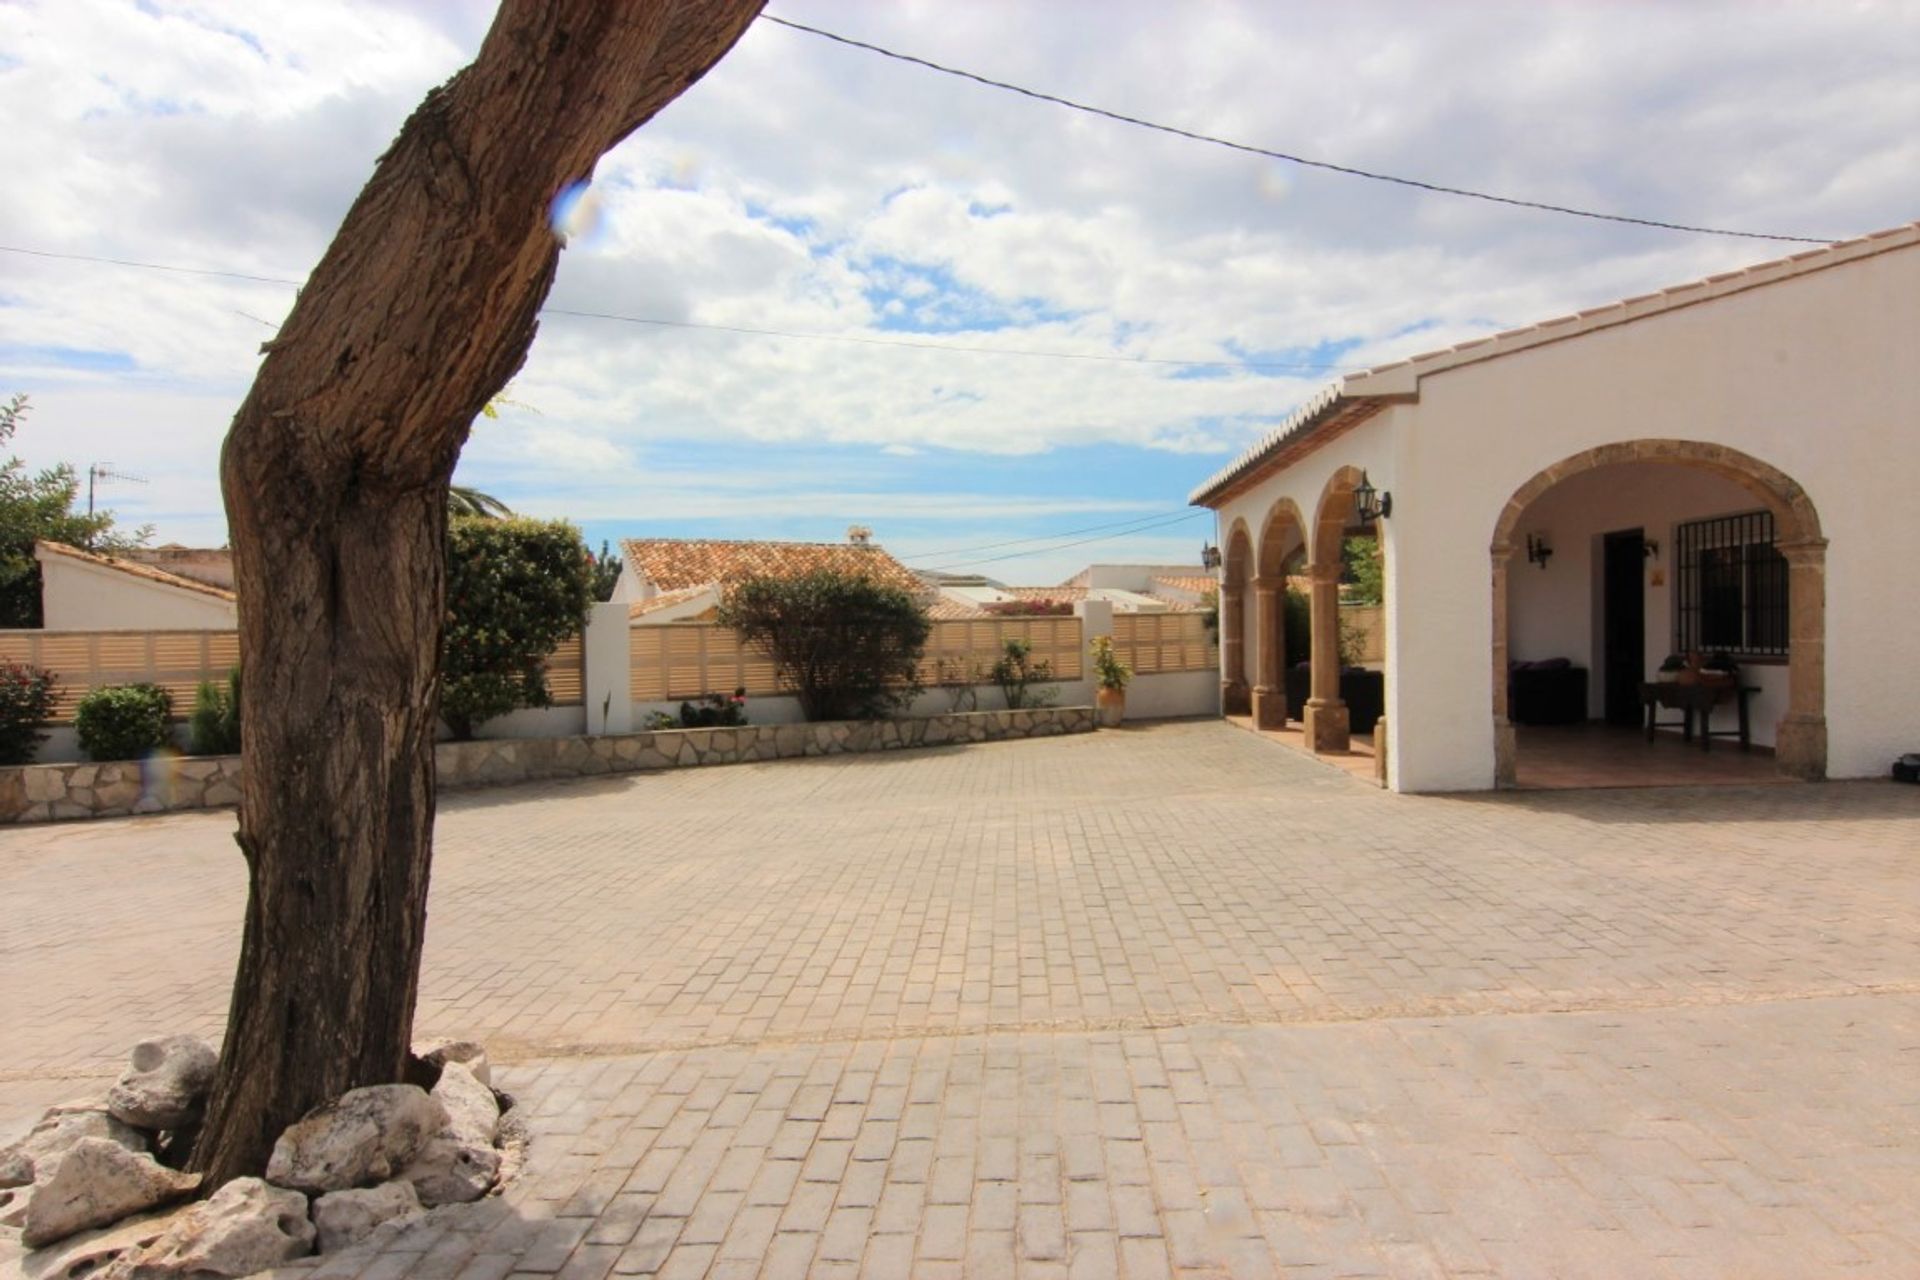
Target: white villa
[1728,466]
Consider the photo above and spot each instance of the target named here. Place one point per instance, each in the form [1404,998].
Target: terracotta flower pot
[1112,704]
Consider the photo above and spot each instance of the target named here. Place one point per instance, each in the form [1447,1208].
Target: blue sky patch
[67,357]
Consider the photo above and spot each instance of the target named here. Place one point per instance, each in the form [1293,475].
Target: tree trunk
[335,474]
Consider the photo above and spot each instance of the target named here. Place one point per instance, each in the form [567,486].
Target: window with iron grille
[1731,587]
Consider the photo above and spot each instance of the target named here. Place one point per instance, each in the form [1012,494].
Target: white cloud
[817,189]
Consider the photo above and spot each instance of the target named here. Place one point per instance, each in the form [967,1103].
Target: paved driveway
[1165,1001]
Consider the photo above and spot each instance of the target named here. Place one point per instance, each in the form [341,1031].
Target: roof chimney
[859,535]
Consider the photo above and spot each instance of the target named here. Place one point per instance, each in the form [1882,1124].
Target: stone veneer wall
[52,792]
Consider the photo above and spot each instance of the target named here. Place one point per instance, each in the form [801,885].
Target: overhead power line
[1045,537]
[1041,551]
[858,339]
[1249,149]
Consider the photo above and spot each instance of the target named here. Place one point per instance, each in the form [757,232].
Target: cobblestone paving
[1172,1001]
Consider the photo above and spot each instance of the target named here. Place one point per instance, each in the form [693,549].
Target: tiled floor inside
[1603,755]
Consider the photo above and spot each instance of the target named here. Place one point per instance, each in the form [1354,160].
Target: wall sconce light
[1650,548]
[1539,551]
[1368,504]
[1209,556]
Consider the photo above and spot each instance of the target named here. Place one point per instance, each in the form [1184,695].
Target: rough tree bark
[335,473]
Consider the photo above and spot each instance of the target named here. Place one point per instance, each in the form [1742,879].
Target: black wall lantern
[1368,505]
[1209,556]
[1538,549]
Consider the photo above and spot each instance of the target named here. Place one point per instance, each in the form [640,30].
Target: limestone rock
[167,1086]
[450,1171]
[469,1053]
[58,1130]
[363,1137]
[96,1182]
[473,1116]
[79,1257]
[244,1227]
[347,1217]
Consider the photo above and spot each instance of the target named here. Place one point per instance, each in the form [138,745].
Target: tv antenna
[104,471]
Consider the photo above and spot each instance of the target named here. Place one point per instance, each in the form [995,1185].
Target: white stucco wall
[1556,611]
[1814,375]
[78,596]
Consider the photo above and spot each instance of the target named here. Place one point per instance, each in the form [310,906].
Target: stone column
[1328,727]
[1505,748]
[1800,739]
[1233,645]
[1269,689]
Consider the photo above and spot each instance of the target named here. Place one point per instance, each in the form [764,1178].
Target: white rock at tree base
[343,1218]
[96,1182]
[459,1163]
[167,1085]
[470,1054]
[244,1227]
[473,1114]
[61,1127]
[363,1137]
[450,1171]
[82,1255]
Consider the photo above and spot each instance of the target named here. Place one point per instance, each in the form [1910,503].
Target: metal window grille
[1731,586]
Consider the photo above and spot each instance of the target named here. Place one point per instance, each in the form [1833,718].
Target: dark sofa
[1553,691]
[1364,692]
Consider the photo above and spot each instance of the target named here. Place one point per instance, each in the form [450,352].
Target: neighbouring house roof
[1358,396]
[44,550]
[674,564]
[668,599]
[1199,584]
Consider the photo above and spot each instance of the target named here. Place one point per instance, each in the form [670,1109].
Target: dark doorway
[1624,623]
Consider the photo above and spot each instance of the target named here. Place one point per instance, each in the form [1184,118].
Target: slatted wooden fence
[1152,643]
[178,661]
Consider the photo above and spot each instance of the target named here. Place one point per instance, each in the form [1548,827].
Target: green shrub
[715,711]
[1109,672]
[214,727]
[1016,670]
[124,721]
[26,700]
[848,647]
[515,590]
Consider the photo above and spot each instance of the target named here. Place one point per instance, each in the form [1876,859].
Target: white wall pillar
[606,650]
[1096,619]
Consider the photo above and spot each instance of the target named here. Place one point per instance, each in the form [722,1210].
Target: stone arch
[1333,515]
[1800,744]
[1235,694]
[1279,532]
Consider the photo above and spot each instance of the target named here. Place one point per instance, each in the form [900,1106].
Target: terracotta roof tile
[667,599]
[1200,584]
[674,564]
[151,574]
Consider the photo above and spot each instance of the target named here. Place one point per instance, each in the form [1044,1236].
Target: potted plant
[1110,677]
[1671,668]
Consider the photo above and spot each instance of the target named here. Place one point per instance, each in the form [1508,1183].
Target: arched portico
[1281,536]
[1801,737]
[1235,696]
[1326,722]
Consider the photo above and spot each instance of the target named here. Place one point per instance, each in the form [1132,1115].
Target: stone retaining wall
[53,792]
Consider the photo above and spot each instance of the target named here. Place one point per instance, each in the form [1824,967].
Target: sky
[889,216]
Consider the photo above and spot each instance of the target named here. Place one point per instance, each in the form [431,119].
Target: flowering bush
[26,700]
[124,721]
[715,711]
